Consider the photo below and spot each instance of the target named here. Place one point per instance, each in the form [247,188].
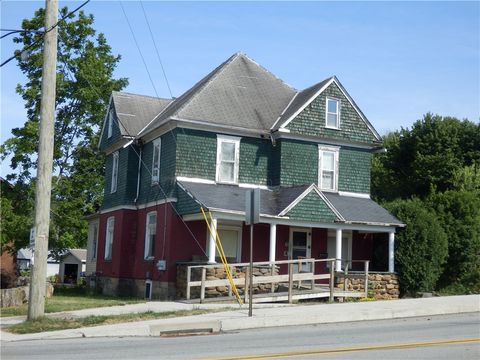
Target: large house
[238,128]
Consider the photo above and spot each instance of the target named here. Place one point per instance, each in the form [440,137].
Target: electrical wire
[42,33]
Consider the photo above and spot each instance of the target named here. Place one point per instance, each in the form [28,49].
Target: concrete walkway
[264,315]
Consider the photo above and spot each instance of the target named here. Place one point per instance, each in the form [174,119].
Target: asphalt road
[435,337]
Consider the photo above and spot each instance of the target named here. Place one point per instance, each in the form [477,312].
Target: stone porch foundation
[382,286]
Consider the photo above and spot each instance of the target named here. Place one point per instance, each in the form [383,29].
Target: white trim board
[133,207]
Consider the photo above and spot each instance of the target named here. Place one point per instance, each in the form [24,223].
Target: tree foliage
[425,158]
[420,248]
[85,80]
[459,215]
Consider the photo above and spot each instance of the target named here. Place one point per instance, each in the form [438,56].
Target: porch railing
[298,271]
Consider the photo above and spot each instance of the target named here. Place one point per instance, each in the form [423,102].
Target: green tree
[425,158]
[84,83]
[420,248]
[459,215]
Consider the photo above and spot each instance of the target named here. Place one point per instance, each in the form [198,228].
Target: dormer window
[110,124]
[332,113]
[228,150]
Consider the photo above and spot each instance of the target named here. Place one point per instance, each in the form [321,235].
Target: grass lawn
[67,299]
[52,324]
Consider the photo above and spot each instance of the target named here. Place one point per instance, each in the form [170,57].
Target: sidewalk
[263,316]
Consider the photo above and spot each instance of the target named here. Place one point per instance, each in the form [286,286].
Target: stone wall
[19,295]
[382,286]
[131,287]
[218,273]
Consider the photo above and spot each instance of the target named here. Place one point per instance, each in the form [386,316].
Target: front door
[300,247]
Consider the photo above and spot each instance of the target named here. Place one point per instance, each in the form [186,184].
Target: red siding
[362,248]
[261,242]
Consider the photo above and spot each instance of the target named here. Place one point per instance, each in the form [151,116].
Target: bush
[420,248]
[459,214]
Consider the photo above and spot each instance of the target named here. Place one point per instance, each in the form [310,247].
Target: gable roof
[279,201]
[305,97]
[79,254]
[237,93]
[135,111]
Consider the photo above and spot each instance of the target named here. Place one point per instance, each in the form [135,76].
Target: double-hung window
[228,154]
[328,168]
[150,235]
[113,187]
[332,113]
[157,146]
[109,238]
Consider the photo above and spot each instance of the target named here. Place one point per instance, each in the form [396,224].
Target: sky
[398,60]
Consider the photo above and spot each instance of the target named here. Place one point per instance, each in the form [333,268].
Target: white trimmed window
[150,235]
[332,113]
[109,238]
[113,187]
[346,245]
[328,168]
[231,238]
[228,154]
[157,147]
[110,124]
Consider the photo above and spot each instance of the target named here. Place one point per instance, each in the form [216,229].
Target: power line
[138,48]
[40,32]
[156,50]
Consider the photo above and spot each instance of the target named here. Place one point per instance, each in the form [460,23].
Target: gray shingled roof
[238,93]
[80,254]
[272,202]
[361,210]
[300,99]
[136,111]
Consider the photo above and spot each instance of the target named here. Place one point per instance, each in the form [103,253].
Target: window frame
[236,162]
[110,124]
[114,180]
[238,229]
[329,98]
[157,143]
[336,151]
[94,235]
[109,236]
[148,246]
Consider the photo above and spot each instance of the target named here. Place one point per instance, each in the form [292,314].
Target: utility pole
[36,303]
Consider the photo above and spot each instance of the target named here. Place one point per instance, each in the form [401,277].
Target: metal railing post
[332,279]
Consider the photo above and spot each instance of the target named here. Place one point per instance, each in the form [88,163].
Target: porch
[285,280]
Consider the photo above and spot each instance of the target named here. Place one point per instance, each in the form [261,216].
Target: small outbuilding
[72,265]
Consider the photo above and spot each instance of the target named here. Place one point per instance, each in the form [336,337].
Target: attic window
[228,151]
[332,113]
[110,124]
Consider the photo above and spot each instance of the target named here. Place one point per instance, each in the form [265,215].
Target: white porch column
[211,241]
[391,249]
[338,249]
[273,242]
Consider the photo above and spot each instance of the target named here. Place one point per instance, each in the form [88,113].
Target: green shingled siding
[196,154]
[354,170]
[106,141]
[312,208]
[125,193]
[298,162]
[185,204]
[151,192]
[311,121]
[255,161]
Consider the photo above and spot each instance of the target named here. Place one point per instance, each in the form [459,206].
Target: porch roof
[279,201]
